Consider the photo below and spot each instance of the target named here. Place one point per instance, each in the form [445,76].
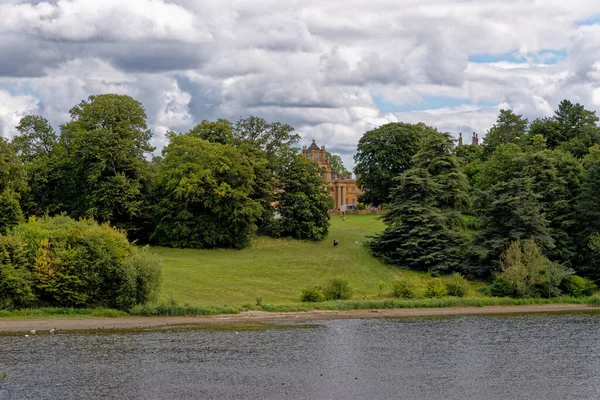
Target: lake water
[470,357]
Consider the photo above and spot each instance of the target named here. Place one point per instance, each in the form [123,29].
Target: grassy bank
[276,270]
[173,310]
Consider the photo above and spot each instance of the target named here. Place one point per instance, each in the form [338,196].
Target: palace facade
[344,189]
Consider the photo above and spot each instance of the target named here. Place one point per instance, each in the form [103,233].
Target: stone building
[474,139]
[344,189]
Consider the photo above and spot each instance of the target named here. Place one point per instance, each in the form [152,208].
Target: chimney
[475,140]
[460,139]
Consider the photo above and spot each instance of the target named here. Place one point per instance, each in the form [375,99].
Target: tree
[275,139]
[36,138]
[508,210]
[11,183]
[577,127]
[509,128]
[529,272]
[12,173]
[220,131]
[422,223]
[336,164]
[44,160]
[383,154]
[303,202]
[205,193]
[106,171]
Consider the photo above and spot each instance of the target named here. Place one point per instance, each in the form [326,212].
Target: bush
[436,288]
[404,289]
[80,263]
[15,278]
[312,294]
[501,287]
[337,289]
[361,206]
[577,286]
[457,285]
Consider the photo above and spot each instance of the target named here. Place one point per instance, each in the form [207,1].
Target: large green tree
[12,184]
[422,223]
[509,128]
[303,202]
[206,195]
[383,154]
[105,145]
[37,145]
[508,211]
[219,131]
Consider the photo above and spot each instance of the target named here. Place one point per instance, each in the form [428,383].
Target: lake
[550,356]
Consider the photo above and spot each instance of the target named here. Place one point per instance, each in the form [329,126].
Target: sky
[332,69]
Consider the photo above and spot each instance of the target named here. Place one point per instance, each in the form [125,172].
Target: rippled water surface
[471,357]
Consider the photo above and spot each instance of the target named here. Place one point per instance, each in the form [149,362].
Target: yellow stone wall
[344,189]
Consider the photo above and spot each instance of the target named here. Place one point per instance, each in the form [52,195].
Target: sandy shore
[103,323]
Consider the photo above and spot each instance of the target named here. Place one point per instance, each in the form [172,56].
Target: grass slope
[276,269]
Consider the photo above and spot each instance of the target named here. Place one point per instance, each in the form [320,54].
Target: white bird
[32,331]
[26,335]
[51,330]
[237,333]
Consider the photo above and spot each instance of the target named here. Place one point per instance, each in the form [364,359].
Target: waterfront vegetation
[244,224]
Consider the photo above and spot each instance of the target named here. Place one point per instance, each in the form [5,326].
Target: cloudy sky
[333,69]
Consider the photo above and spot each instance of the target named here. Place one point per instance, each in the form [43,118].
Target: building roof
[314,146]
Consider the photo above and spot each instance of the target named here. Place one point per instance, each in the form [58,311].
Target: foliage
[336,164]
[436,289]
[205,193]
[302,201]
[383,154]
[10,210]
[15,277]
[105,169]
[337,289]
[220,131]
[502,287]
[457,285]
[312,294]
[509,128]
[36,138]
[577,286]
[76,263]
[508,211]
[529,271]
[404,288]
[273,139]
[421,223]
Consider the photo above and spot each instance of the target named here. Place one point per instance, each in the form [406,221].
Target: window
[317,156]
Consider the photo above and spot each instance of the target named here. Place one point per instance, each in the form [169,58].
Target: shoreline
[69,324]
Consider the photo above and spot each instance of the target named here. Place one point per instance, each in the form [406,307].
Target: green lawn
[276,269]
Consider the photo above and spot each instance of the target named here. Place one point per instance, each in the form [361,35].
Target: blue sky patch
[593,20]
[540,57]
[426,103]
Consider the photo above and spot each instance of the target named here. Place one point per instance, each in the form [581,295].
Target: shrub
[436,288]
[457,285]
[529,272]
[80,263]
[15,278]
[404,289]
[312,294]
[337,289]
[501,287]
[577,286]
[361,206]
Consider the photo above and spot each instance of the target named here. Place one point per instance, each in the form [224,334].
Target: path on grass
[105,323]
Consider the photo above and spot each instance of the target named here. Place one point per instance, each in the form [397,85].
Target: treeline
[523,208]
[214,186]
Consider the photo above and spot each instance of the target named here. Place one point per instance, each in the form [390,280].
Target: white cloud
[317,65]
[12,109]
[116,20]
